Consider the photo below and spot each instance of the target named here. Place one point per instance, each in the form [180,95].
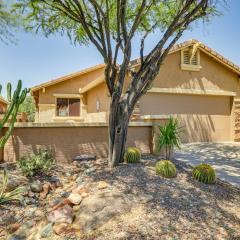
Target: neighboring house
[3,105]
[195,84]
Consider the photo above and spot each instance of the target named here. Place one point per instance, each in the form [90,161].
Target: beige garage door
[205,118]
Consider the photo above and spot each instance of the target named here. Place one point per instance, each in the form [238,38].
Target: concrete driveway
[224,157]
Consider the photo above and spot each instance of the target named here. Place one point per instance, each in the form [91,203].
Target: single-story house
[3,105]
[195,84]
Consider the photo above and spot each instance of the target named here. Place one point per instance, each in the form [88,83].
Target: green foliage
[50,17]
[28,107]
[8,22]
[9,196]
[132,155]
[204,173]
[166,168]
[15,100]
[39,163]
[169,137]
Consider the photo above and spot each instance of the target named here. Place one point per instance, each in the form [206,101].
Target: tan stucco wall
[205,118]
[212,76]
[3,106]
[101,93]
[67,142]
[69,86]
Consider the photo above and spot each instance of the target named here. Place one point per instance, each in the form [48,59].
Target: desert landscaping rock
[75,198]
[85,157]
[97,209]
[36,186]
[102,185]
[136,204]
[47,230]
[63,214]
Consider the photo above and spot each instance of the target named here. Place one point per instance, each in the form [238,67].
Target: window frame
[67,96]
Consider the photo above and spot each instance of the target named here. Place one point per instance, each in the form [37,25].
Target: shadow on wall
[67,142]
[196,128]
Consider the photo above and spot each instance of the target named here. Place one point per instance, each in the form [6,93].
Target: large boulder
[98,209]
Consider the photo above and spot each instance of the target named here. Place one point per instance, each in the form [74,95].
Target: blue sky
[36,59]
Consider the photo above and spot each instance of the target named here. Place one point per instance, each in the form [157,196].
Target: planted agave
[9,196]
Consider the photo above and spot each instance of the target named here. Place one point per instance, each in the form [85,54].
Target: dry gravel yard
[128,202]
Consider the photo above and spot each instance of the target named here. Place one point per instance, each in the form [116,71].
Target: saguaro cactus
[15,100]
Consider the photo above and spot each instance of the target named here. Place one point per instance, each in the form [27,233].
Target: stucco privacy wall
[67,141]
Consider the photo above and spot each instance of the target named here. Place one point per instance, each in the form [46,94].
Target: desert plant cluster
[169,138]
[39,163]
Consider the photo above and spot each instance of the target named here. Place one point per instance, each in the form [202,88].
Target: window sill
[188,67]
[59,119]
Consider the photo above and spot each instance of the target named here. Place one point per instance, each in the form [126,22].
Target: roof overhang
[67,77]
[3,100]
[193,42]
[93,84]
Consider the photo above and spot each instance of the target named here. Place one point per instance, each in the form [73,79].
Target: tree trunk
[118,127]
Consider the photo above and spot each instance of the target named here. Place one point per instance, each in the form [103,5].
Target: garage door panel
[184,104]
[204,118]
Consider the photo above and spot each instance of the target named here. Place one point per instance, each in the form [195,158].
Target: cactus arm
[15,100]
[9,92]
[4,139]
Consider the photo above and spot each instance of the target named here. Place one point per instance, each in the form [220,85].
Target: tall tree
[8,22]
[111,25]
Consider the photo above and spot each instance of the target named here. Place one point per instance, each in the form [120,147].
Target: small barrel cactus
[132,155]
[166,168]
[204,173]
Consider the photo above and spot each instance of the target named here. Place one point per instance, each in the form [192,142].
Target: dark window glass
[62,107]
[68,107]
[74,107]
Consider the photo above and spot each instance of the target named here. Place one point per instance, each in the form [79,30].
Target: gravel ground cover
[128,202]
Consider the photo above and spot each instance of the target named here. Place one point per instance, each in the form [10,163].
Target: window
[190,59]
[68,107]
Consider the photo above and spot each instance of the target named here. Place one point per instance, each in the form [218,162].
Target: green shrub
[166,168]
[132,155]
[204,173]
[169,137]
[39,163]
[9,196]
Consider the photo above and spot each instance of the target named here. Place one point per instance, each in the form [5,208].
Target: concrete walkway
[224,157]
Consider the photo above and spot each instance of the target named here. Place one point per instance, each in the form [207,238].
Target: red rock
[61,204]
[61,215]
[46,188]
[13,227]
[62,229]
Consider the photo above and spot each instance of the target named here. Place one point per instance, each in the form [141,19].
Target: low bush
[9,196]
[132,155]
[204,173]
[166,168]
[39,163]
